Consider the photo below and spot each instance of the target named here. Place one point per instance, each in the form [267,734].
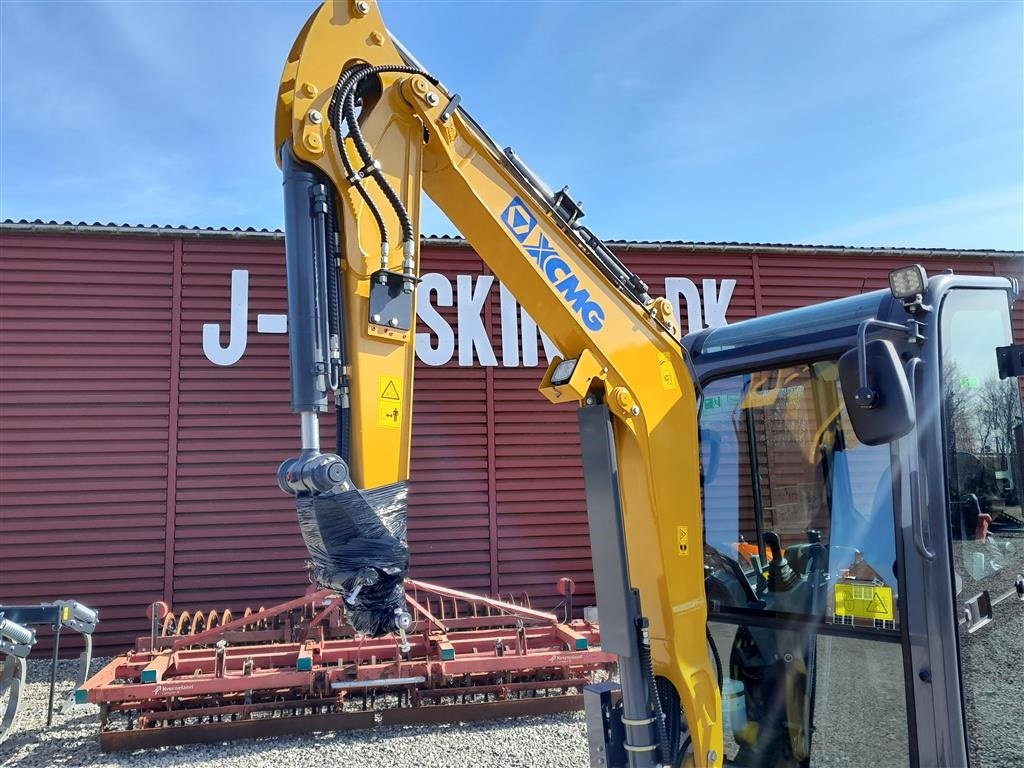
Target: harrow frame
[298,667]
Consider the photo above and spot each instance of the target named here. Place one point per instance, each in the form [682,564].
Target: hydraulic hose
[718,659]
[718,670]
[408,235]
[340,90]
[652,692]
[335,339]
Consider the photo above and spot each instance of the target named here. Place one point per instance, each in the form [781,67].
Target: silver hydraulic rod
[309,426]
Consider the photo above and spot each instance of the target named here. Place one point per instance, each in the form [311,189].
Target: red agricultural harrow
[298,667]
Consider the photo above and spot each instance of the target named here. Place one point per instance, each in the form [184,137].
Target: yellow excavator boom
[358,115]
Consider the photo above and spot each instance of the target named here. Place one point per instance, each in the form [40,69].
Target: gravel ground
[73,740]
[859,693]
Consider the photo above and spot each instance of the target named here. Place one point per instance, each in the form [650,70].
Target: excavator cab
[863,534]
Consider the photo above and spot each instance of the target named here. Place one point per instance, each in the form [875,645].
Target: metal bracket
[390,305]
[1010,360]
[453,104]
[978,612]
[606,737]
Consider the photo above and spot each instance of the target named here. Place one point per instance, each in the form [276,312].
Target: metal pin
[432,99]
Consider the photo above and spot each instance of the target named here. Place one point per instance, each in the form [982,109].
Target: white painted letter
[530,331]
[683,286]
[716,304]
[440,285]
[472,334]
[509,328]
[232,353]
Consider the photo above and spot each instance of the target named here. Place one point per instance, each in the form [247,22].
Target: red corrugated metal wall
[84,369]
[105,386]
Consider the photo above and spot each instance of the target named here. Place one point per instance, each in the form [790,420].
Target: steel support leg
[53,673]
[618,604]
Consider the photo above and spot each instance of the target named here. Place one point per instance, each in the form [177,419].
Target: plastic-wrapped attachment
[357,540]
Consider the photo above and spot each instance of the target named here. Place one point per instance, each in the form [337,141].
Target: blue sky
[887,124]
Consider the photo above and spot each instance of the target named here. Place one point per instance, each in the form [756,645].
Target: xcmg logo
[522,224]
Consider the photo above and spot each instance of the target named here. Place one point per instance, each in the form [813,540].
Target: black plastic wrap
[359,537]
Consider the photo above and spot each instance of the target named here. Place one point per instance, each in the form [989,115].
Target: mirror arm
[865,396]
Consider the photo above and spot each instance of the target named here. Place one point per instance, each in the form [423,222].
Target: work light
[908,282]
[563,372]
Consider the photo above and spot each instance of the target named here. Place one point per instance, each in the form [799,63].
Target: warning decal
[683,539]
[389,402]
[668,376]
[864,602]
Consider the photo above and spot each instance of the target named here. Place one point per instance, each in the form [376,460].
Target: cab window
[800,574]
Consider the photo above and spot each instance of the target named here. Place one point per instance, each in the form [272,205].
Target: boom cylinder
[305,244]
[308,361]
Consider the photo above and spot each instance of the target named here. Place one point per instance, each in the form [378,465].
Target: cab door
[981,441]
[802,574]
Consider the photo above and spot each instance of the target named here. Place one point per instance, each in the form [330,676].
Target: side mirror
[881,407]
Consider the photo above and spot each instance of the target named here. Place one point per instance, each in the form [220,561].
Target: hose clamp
[631,721]
[634,748]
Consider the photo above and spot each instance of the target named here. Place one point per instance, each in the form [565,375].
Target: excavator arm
[361,130]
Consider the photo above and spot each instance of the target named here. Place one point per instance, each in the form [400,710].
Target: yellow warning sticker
[668,376]
[683,539]
[864,602]
[66,613]
[389,402]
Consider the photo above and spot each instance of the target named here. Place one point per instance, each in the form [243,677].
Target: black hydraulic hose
[334,313]
[718,659]
[682,751]
[652,692]
[408,235]
[340,89]
[718,671]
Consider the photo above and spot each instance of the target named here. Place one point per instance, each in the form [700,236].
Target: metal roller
[15,633]
[169,626]
[184,623]
[12,679]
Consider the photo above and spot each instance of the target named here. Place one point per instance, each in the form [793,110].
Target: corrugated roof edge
[238,233]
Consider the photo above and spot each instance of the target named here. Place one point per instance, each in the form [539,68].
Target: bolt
[635,410]
[362,7]
[712,756]
[589,401]
[788,658]
[432,99]
[394,322]
[376,38]
[309,90]
[315,117]
[376,319]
